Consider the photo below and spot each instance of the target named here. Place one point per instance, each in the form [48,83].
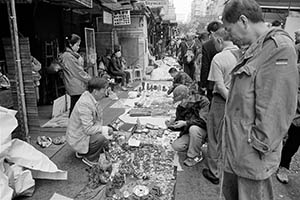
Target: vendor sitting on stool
[116,69]
[191,118]
[85,132]
[179,78]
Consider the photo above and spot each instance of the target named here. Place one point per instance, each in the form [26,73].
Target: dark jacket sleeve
[201,109]
[114,68]
[205,65]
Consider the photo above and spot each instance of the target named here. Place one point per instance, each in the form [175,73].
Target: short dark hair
[222,33]
[72,39]
[203,36]
[172,70]
[235,8]
[97,83]
[213,26]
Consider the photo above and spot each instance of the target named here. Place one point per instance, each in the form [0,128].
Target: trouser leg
[291,146]
[255,190]
[230,186]
[181,144]
[127,76]
[239,188]
[197,136]
[214,136]
[96,146]
[74,99]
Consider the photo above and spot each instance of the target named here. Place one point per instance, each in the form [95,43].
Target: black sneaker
[210,176]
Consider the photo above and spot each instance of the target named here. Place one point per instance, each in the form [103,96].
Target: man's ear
[220,41]
[244,21]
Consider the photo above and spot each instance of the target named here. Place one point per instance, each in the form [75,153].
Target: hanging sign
[107,18]
[122,18]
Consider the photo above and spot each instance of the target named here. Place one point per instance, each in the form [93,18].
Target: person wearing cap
[261,103]
[191,118]
[179,78]
[86,133]
[116,68]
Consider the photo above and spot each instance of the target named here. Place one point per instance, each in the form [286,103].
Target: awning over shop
[117,6]
[73,3]
[280,4]
[17,1]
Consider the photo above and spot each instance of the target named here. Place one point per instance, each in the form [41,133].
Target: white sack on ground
[24,154]
[8,123]
[6,193]
[23,183]
[161,72]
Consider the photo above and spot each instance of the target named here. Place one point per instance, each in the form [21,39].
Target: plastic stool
[138,74]
[131,71]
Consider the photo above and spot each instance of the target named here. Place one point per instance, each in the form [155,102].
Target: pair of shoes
[44,141]
[192,161]
[282,175]
[88,162]
[210,176]
[77,155]
[59,140]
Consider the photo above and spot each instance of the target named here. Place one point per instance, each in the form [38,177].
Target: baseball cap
[180,93]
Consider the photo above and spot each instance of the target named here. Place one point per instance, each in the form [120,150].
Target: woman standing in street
[74,76]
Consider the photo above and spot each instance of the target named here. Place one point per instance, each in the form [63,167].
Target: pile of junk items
[20,162]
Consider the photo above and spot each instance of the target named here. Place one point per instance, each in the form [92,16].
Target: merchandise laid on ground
[140,162]
[138,165]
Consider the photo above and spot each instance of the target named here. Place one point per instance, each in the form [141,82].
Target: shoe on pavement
[77,155]
[210,176]
[88,162]
[192,161]
[282,175]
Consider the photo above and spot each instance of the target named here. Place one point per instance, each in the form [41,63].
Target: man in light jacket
[261,103]
[86,133]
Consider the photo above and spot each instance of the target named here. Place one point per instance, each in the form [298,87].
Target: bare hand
[179,124]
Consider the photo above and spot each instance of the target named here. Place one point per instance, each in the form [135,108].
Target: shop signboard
[122,17]
[91,56]
[155,3]
[107,18]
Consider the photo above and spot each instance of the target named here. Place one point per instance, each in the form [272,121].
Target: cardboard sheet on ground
[61,105]
[124,103]
[59,197]
[157,120]
[60,120]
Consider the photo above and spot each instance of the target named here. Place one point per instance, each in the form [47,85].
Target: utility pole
[17,58]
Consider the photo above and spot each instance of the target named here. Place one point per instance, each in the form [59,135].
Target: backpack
[189,54]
